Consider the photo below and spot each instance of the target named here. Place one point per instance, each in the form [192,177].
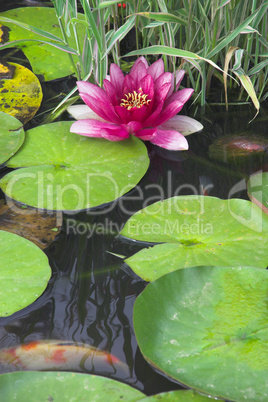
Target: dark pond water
[91,293]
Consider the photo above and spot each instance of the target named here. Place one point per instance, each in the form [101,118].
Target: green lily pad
[258,190]
[206,327]
[45,59]
[63,387]
[24,273]
[197,230]
[11,136]
[178,396]
[65,171]
[21,96]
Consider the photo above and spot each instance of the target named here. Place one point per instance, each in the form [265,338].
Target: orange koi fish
[56,355]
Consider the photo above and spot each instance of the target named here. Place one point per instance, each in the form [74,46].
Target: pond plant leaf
[6,70]
[206,327]
[49,61]
[64,387]
[37,226]
[24,273]
[11,136]
[197,230]
[65,171]
[178,396]
[258,190]
[20,96]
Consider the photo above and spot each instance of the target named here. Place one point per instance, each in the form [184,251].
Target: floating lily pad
[178,396]
[21,96]
[65,171]
[63,387]
[45,59]
[206,327]
[37,226]
[11,136]
[197,230]
[24,273]
[6,70]
[258,190]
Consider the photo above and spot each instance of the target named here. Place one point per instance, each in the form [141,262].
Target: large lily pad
[11,136]
[206,327]
[197,230]
[21,96]
[258,190]
[178,396]
[45,59]
[24,273]
[63,387]
[65,171]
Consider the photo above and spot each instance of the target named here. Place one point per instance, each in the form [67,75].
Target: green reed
[208,38]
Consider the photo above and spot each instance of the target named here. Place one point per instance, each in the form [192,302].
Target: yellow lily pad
[22,95]
[6,70]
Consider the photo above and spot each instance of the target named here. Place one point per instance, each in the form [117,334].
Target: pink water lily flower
[142,103]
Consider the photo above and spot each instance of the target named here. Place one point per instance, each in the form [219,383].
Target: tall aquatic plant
[211,29]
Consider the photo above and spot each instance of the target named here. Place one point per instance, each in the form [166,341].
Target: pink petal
[170,139]
[172,86]
[137,72]
[171,110]
[147,86]
[133,126]
[80,112]
[119,135]
[156,69]
[179,76]
[182,96]
[162,92]
[184,124]
[151,119]
[123,114]
[138,60]
[102,108]
[147,134]
[128,85]
[91,89]
[95,128]
[111,92]
[140,114]
[117,78]
[161,80]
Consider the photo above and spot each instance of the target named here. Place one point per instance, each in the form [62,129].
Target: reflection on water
[90,296]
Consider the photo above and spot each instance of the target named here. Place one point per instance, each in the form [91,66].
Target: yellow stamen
[134,99]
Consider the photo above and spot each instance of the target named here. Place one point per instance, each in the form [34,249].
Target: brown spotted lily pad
[37,226]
